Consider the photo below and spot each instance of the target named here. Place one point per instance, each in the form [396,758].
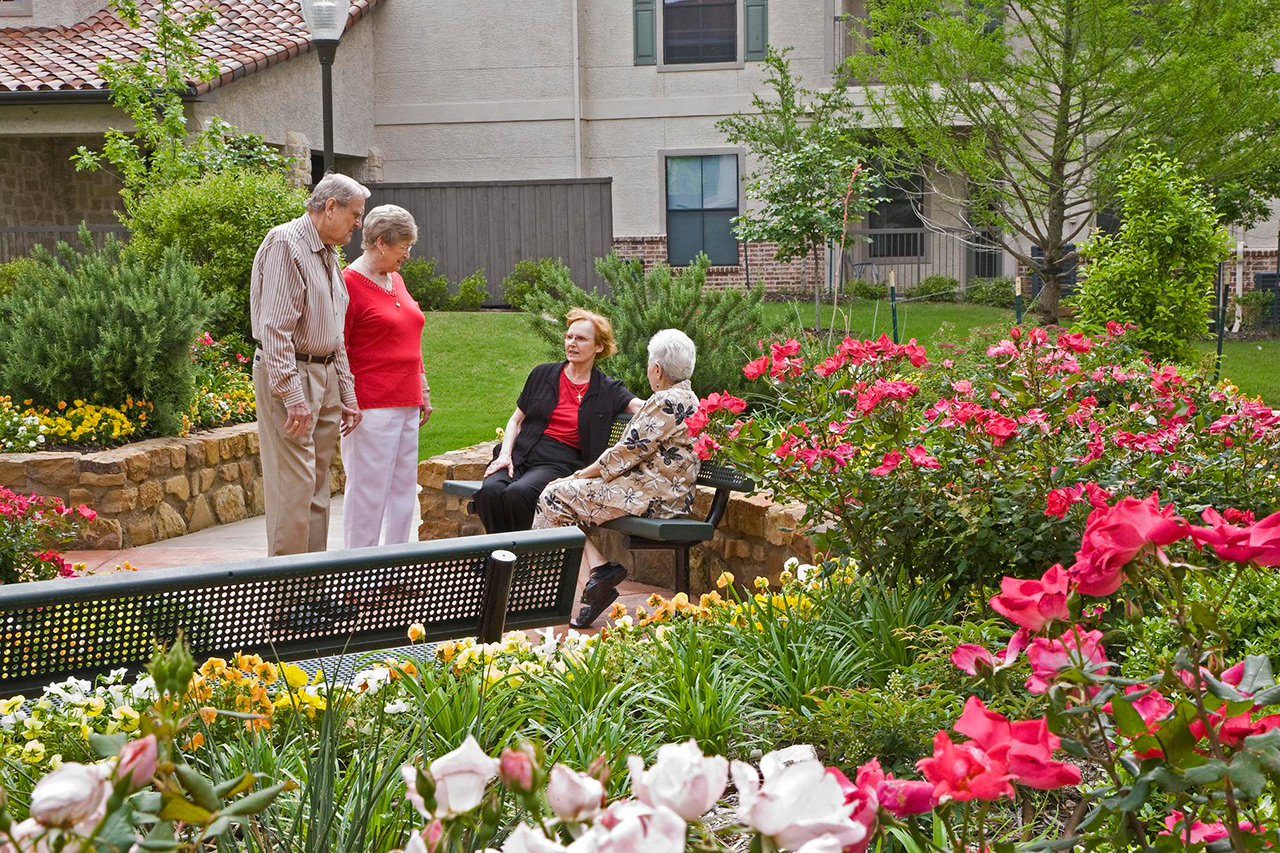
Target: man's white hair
[340,188]
[674,352]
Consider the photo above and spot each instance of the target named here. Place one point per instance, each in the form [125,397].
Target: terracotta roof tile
[248,36]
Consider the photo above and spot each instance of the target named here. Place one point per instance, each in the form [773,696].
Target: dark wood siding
[468,226]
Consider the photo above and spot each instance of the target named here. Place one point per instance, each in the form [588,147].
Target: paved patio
[247,540]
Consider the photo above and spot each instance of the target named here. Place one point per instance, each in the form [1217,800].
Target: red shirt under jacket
[384,342]
[563,423]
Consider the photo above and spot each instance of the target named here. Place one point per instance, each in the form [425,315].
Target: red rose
[1030,759]
[920,458]
[999,427]
[705,447]
[967,656]
[1034,603]
[756,369]
[695,422]
[1114,536]
[1258,542]
[1058,501]
[1076,342]
[903,797]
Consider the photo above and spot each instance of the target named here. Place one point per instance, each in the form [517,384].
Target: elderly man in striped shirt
[301,382]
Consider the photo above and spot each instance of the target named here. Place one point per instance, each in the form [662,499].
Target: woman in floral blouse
[651,472]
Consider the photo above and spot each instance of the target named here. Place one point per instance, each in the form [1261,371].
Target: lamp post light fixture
[326,19]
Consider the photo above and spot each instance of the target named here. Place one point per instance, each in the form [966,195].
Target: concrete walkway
[247,540]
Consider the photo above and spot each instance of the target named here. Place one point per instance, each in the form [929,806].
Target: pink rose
[964,771]
[574,797]
[1034,603]
[138,762]
[632,827]
[757,368]
[517,768]
[920,457]
[1029,757]
[1258,542]
[69,795]
[891,460]
[695,423]
[903,797]
[705,447]
[967,656]
[1075,648]
[1058,501]
[1114,536]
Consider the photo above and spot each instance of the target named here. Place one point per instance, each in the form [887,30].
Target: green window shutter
[755,17]
[644,14]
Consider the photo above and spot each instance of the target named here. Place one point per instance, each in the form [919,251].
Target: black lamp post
[326,19]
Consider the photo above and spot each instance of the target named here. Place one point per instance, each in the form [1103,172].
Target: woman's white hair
[340,188]
[672,350]
[390,222]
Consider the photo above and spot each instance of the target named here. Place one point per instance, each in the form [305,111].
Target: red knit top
[384,342]
[562,425]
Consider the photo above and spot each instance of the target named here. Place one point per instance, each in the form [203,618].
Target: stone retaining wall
[755,538]
[154,489]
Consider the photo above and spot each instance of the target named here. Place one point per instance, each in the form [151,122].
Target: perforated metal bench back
[289,607]
[711,473]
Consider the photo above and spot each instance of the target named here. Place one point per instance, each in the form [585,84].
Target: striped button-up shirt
[297,304]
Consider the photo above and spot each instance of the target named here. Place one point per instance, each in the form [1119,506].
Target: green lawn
[920,320]
[1252,365]
[477,362]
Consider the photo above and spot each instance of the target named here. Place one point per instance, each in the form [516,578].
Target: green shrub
[937,288]
[472,292]
[527,276]
[997,292]
[104,325]
[724,324]
[1158,271]
[895,724]
[865,288]
[219,222]
[1254,306]
[429,290]
[9,273]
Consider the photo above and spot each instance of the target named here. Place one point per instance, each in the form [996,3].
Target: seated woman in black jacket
[562,421]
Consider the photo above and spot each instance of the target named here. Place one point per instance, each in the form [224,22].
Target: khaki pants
[295,471]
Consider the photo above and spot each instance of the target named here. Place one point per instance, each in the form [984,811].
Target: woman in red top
[383,335]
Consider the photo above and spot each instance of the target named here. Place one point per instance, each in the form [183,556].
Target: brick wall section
[776,277]
[41,186]
[154,489]
[755,538]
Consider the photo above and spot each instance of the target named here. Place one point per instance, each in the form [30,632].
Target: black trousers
[507,503]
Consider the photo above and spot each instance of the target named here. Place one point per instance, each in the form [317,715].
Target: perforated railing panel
[321,609]
[711,473]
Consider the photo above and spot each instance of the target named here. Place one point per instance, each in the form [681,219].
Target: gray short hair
[340,188]
[672,350]
[390,223]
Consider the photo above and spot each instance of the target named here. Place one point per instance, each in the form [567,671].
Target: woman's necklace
[578,388]
[389,288]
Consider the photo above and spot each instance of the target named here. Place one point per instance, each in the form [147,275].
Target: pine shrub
[724,324]
[104,325]
[525,278]
[219,222]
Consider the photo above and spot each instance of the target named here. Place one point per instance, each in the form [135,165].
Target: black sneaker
[591,612]
[603,577]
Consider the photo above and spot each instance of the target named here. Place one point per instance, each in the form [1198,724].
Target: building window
[15,8]
[702,200]
[699,31]
[900,211]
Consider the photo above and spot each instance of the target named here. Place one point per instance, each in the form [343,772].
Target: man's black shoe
[603,577]
[591,612]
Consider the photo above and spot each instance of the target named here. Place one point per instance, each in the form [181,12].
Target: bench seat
[661,529]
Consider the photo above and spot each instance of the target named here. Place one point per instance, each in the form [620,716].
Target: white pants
[381,461]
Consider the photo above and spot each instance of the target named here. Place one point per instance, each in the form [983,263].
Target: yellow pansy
[33,752]
[295,676]
[8,706]
[126,718]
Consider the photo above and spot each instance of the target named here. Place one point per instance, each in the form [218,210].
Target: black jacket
[605,399]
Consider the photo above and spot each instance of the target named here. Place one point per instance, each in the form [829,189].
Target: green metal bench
[289,608]
[677,535]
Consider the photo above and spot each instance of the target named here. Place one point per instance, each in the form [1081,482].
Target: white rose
[68,795]
[822,844]
[574,797]
[798,801]
[527,840]
[461,777]
[633,827]
[682,779]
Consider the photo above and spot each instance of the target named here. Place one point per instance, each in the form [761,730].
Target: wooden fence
[491,225]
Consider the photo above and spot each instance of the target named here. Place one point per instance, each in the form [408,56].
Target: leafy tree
[809,184]
[1158,271]
[150,91]
[723,324]
[1038,106]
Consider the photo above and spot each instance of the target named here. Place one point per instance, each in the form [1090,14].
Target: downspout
[577,99]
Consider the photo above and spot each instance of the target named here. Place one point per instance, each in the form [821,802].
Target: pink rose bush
[32,530]
[989,460]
